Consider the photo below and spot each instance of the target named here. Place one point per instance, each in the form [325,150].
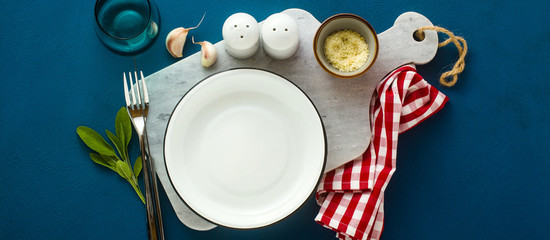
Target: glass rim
[96,11]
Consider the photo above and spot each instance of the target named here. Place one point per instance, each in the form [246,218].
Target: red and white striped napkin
[352,196]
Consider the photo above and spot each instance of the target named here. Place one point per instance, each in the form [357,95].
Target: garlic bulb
[209,55]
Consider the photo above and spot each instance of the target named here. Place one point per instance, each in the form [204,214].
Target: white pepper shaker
[241,35]
[280,36]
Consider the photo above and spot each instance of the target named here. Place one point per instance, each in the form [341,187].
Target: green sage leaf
[124,170]
[122,139]
[104,161]
[138,164]
[95,141]
[105,154]
[123,126]
[117,142]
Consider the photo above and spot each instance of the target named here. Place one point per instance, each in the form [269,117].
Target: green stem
[138,190]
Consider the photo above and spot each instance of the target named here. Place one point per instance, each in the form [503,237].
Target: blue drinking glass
[127,27]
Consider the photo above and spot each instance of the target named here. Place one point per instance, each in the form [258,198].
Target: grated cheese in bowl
[346,50]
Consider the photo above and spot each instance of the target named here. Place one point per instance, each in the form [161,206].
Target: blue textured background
[479,169]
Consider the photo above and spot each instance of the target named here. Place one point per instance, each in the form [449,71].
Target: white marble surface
[342,103]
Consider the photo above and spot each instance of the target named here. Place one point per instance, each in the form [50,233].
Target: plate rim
[324,152]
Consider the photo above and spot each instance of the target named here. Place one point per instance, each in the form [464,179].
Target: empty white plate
[245,148]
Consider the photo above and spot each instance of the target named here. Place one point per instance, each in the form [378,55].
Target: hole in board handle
[419,36]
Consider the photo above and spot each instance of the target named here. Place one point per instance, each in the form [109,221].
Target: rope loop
[449,78]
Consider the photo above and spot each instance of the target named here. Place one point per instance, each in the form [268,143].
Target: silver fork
[138,108]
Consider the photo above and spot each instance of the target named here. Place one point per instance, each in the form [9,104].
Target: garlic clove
[209,54]
[175,41]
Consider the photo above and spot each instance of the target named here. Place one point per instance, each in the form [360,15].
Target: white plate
[244,148]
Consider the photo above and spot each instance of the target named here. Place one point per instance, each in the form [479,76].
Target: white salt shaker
[241,35]
[280,36]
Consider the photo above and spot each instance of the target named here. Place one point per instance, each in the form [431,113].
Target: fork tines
[136,102]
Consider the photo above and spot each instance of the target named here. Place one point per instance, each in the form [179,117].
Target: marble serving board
[342,103]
